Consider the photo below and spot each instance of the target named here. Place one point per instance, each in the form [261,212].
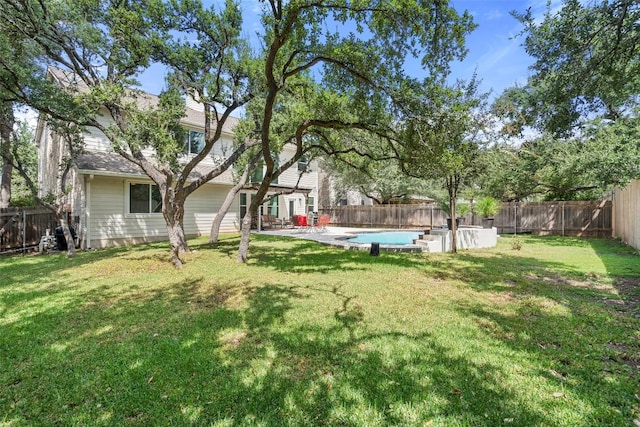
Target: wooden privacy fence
[562,218]
[588,219]
[21,228]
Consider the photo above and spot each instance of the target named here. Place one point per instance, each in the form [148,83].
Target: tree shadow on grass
[184,355]
[196,353]
[555,314]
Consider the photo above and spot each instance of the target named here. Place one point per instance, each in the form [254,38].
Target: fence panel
[562,218]
[23,227]
[626,215]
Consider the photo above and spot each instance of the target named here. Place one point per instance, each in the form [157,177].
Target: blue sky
[494,49]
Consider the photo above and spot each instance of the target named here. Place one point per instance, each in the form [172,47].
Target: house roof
[112,164]
[194,111]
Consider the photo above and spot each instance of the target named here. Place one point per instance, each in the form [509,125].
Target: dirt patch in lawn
[629,296]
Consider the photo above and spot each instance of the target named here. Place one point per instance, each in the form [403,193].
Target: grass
[547,335]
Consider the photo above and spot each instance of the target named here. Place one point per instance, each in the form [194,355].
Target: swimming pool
[387,237]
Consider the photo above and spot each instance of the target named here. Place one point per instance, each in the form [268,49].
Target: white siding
[290,177]
[202,207]
[111,225]
[94,139]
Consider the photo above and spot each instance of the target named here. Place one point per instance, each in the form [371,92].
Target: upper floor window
[303,164]
[259,171]
[144,198]
[194,142]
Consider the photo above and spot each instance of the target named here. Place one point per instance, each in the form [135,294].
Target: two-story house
[113,202]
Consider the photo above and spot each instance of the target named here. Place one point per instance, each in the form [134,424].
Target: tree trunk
[454,226]
[178,243]
[173,213]
[452,188]
[5,184]
[228,201]
[71,244]
[217,221]
[6,127]
[243,249]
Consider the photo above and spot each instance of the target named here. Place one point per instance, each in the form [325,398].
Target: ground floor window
[243,205]
[311,204]
[144,198]
[274,207]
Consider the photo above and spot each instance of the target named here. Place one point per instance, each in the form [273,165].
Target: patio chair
[321,224]
[300,221]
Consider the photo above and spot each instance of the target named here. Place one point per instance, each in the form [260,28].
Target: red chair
[323,221]
[300,221]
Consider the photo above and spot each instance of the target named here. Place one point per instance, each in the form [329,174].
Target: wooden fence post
[24,230]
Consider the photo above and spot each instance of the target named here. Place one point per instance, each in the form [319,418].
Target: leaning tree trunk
[228,201]
[243,250]
[217,221]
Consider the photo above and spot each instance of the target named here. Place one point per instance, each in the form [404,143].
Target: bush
[487,207]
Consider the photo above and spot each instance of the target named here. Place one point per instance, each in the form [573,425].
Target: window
[274,207]
[243,205]
[303,164]
[310,204]
[194,142]
[144,198]
[259,171]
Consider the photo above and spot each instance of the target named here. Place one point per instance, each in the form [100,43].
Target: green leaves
[587,61]
[579,168]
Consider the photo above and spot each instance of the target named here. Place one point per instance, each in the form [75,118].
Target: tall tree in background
[444,142]
[584,167]
[587,62]
[380,180]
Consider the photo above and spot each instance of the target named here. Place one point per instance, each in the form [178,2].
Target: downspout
[87,211]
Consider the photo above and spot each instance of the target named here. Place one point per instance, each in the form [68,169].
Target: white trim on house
[127,199]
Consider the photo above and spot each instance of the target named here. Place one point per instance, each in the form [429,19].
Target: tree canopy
[584,167]
[587,62]
[445,141]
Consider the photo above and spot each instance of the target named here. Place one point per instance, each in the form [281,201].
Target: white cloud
[493,15]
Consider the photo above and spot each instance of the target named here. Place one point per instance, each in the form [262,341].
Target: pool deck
[437,241]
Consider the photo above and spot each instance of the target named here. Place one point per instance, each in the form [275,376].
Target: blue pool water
[387,237]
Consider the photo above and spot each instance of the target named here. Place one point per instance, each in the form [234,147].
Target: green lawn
[310,335]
